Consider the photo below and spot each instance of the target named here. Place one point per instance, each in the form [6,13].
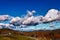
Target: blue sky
[19,7]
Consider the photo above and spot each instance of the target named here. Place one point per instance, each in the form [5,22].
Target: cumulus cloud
[2,25]
[30,13]
[16,21]
[29,19]
[4,17]
[33,20]
[58,17]
[52,14]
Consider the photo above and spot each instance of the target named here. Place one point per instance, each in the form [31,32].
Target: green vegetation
[14,37]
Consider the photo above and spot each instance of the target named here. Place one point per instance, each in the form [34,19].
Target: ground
[8,34]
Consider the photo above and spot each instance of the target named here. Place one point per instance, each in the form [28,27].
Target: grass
[15,37]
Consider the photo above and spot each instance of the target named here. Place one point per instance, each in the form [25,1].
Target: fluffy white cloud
[58,17]
[16,19]
[2,25]
[33,20]
[29,20]
[4,17]
[29,17]
[52,14]
[30,13]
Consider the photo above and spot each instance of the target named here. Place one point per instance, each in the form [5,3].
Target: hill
[8,34]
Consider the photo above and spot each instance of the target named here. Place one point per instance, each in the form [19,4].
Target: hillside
[8,34]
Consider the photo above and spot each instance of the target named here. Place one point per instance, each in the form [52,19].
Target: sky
[19,7]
